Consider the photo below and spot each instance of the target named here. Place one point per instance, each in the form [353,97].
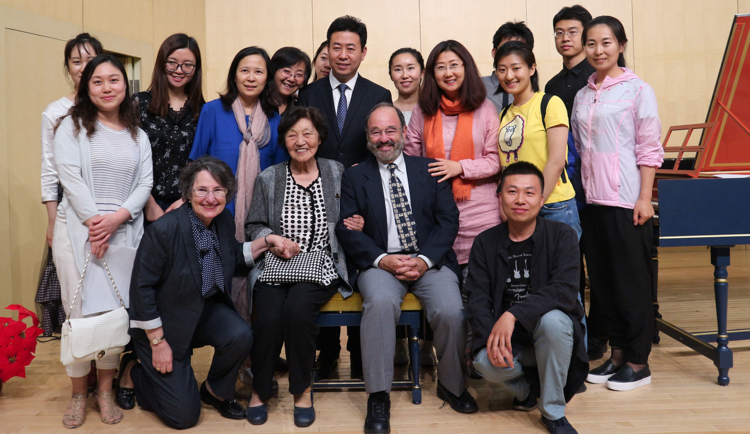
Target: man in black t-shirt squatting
[522,302]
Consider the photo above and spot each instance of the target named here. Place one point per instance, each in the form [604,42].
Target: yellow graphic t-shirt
[522,137]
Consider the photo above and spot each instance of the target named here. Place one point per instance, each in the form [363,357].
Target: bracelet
[266,240]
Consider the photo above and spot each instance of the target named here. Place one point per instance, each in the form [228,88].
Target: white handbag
[95,337]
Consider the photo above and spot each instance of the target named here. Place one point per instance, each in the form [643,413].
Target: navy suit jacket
[433,207]
[350,146]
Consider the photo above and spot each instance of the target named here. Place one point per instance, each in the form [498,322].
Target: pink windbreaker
[616,129]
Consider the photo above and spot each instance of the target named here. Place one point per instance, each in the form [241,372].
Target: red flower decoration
[13,361]
[24,313]
[17,343]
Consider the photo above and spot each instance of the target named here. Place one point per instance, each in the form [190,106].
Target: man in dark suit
[411,222]
[345,97]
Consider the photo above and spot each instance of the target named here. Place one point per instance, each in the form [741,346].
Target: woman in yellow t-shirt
[525,136]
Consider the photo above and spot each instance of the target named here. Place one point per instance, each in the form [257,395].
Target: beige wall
[32,37]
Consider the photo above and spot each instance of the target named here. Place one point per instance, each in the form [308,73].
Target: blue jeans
[566,211]
[553,347]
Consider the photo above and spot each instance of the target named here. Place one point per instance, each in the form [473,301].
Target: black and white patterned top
[171,141]
[304,221]
[209,255]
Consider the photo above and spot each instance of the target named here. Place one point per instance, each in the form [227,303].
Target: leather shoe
[229,408]
[602,373]
[125,396]
[325,367]
[462,404]
[258,415]
[378,420]
[304,416]
[627,379]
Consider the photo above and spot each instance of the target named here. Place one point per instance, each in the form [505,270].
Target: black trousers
[618,255]
[286,316]
[175,396]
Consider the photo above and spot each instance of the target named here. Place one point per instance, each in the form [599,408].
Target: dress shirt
[568,82]
[394,244]
[337,95]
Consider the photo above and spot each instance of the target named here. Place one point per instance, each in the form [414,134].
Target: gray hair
[401,117]
[219,171]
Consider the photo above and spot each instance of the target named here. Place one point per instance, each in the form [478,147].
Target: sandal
[111,414]
[75,413]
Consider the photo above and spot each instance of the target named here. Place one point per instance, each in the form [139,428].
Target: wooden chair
[348,312]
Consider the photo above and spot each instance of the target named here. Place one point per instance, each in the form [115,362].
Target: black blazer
[350,146]
[434,209]
[166,280]
[554,285]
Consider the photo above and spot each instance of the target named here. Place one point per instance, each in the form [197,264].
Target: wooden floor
[684,395]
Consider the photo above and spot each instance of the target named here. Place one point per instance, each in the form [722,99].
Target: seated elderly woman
[298,200]
[179,300]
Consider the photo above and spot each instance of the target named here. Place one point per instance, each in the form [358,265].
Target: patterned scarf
[255,134]
[463,142]
[209,254]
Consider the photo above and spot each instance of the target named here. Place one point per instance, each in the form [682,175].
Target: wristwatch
[156,341]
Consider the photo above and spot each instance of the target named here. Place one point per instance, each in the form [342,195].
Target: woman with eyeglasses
[290,69]
[169,112]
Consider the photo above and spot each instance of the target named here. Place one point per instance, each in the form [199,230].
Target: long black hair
[160,84]
[269,99]
[617,29]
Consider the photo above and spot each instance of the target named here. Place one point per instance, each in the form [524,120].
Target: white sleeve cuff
[247,252]
[377,260]
[427,261]
[146,325]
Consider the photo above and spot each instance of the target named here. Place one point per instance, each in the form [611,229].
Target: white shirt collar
[335,82]
[399,162]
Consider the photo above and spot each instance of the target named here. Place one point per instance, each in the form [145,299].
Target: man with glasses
[509,31]
[406,244]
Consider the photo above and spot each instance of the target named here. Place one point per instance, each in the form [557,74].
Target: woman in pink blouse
[455,124]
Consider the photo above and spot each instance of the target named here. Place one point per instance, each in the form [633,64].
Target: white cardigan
[50,116]
[73,163]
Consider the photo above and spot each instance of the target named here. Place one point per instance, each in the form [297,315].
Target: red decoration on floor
[17,343]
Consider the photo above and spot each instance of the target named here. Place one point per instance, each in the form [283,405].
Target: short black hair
[219,171]
[293,115]
[511,30]
[348,23]
[379,105]
[520,168]
[576,12]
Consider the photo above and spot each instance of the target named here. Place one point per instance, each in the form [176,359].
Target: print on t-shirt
[510,138]
[518,283]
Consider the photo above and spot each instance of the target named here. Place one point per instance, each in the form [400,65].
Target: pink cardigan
[482,211]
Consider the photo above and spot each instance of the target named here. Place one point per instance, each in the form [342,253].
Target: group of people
[249,212]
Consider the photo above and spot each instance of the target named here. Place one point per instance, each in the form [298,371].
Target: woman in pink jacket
[617,129]
[456,125]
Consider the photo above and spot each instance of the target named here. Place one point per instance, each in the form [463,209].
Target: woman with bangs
[290,69]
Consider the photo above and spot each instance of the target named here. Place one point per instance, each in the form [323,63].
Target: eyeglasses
[441,69]
[187,68]
[286,72]
[375,133]
[203,192]
[573,34]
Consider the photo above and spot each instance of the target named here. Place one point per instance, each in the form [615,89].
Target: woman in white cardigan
[103,161]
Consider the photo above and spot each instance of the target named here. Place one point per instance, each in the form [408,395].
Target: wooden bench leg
[416,391]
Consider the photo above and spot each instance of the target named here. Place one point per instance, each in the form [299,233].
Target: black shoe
[527,404]
[258,415]
[355,359]
[626,379]
[559,426]
[582,388]
[229,408]
[304,416]
[462,404]
[125,396]
[602,373]
[325,367]
[378,420]
[596,348]
[281,365]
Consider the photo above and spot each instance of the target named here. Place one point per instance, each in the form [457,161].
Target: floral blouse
[171,141]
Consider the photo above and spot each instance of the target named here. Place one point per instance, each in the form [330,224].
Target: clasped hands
[499,350]
[404,267]
[282,247]
[101,228]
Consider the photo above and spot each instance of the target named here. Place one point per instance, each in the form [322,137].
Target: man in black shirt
[523,305]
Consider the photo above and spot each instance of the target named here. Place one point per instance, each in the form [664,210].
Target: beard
[386,157]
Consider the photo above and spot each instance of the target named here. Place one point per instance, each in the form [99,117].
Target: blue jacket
[217,135]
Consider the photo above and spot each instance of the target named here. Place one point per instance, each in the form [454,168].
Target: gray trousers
[382,295]
[553,347]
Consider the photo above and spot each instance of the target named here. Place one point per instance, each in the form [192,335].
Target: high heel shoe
[108,410]
[75,413]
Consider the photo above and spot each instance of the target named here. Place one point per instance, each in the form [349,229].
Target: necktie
[405,225]
[341,110]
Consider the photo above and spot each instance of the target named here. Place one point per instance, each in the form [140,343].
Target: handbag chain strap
[80,282]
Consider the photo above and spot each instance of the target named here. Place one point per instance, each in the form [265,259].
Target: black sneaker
[602,373]
[559,426]
[527,404]
[378,420]
[626,379]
